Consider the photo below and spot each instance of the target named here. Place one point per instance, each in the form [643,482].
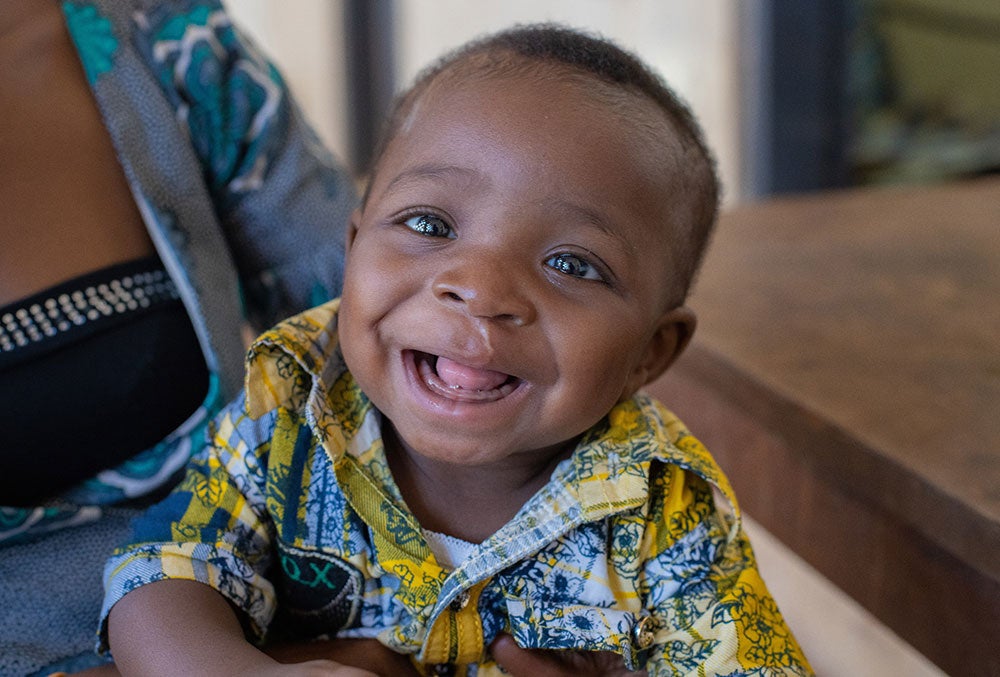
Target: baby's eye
[574,266]
[429,225]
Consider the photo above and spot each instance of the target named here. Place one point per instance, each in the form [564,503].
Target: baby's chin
[448,450]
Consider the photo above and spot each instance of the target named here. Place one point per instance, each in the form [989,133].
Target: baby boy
[455,458]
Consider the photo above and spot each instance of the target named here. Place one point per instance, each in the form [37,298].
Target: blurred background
[793,96]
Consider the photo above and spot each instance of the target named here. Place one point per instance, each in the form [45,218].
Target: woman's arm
[282,199]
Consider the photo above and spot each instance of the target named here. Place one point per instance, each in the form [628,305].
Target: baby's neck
[467,502]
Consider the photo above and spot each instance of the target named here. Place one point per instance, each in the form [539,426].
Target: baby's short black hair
[560,50]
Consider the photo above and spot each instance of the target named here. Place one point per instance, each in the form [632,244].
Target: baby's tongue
[459,375]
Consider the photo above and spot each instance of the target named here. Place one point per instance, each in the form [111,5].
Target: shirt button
[644,632]
[443,669]
[459,602]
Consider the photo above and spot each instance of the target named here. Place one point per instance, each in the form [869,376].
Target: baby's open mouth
[461,381]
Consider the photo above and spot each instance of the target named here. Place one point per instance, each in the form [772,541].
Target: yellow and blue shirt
[292,514]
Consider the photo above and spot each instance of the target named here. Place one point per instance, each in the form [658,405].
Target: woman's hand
[309,668]
[365,654]
[314,668]
[531,662]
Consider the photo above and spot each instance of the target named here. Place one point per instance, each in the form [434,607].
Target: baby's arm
[178,627]
[196,573]
[176,599]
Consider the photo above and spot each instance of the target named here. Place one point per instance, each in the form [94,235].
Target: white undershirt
[448,550]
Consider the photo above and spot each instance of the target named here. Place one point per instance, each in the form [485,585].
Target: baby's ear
[672,335]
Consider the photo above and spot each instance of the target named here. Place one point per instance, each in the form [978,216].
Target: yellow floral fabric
[292,514]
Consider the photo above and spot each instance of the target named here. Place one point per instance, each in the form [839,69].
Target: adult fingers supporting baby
[369,654]
[532,662]
[318,668]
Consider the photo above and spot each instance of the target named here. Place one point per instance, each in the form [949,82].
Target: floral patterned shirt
[292,514]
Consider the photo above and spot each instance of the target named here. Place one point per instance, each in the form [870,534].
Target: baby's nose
[485,290]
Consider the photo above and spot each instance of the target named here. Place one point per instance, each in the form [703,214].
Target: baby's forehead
[503,66]
[535,101]
[632,108]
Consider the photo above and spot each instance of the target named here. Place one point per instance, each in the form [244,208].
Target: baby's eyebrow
[433,171]
[595,219]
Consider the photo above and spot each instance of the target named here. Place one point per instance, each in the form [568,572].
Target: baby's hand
[530,662]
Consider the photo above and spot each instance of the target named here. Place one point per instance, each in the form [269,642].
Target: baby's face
[506,282]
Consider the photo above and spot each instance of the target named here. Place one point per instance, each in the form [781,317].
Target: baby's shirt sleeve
[213,528]
[709,612]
